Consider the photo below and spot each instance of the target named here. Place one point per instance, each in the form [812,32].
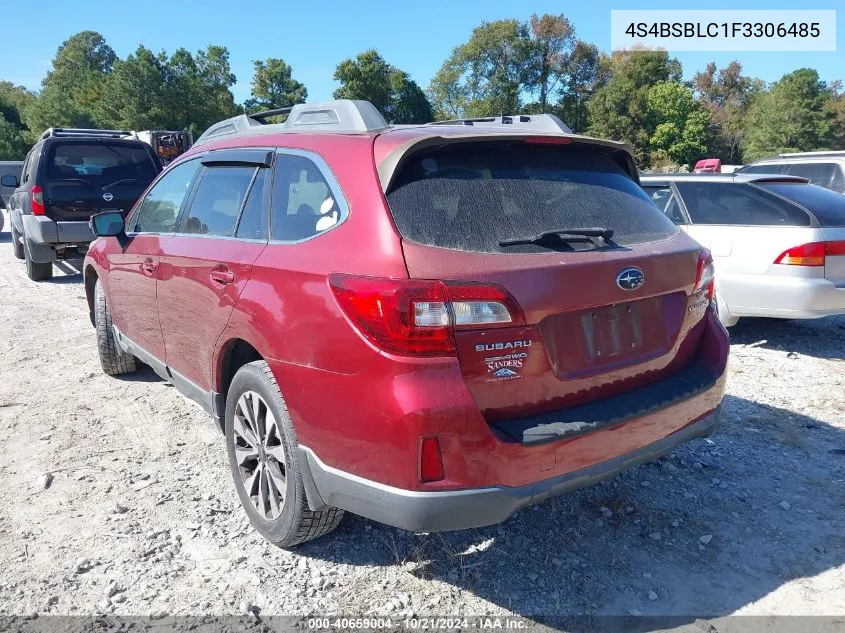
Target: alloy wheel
[260,455]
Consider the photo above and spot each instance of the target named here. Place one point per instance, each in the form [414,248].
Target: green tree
[835,105]
[791,117]
[273,86]
[581,81]
[677,124]
[74,85]
[552,43]
[13,143]
[369,77]
[619,108]
[727,95]
[135,97]
[487,75]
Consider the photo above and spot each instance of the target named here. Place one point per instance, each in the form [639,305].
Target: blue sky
[314,36]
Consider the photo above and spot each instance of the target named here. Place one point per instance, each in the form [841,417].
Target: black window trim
[334,187]
[814,223]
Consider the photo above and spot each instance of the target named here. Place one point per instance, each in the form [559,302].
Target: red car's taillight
[812,254]
[37,200]
[706,274]
[417,317]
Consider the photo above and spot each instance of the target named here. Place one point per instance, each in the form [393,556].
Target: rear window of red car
[471,196]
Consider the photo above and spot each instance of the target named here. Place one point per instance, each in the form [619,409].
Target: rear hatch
[600,316]
[81,177]
[828,209]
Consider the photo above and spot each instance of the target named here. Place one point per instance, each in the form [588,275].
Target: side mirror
[107,224]
[10,181]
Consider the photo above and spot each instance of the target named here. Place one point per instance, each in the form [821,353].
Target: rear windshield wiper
[82,180]
[121,181]
[563,235]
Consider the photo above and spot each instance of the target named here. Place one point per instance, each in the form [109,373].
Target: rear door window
[216,205]
[821,174]
[738,204]
[827,206]
[471,196]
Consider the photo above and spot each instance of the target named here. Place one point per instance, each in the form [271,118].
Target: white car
[778,242]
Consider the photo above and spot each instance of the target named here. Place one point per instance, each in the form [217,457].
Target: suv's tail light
[812,254]
[706,274]
[37,200]
[418,317]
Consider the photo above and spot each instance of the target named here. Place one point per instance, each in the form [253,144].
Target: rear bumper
[462,509]
[43,235]
[782,297]
[42,230]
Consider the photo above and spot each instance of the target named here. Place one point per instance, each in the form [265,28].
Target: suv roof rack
[79,132]
[547,123]
[341,115]
[821,153]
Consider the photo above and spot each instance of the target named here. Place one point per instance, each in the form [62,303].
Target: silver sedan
[778,242]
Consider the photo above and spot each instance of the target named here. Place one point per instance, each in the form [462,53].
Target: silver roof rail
[546,123]
[820,153]
[342,115]
[82,132]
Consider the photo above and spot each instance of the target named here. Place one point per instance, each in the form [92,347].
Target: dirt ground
[141,517]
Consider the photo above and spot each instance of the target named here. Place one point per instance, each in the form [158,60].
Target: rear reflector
[705,277]
[812,254]
[431,463]
[37,200]
[418,317]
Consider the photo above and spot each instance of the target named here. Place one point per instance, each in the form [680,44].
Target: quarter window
[217,203]
[738,204]
[304,204]
[158,211]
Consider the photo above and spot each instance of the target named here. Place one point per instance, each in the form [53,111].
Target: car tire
[113,359]
[17,242]
[280,516]
[37,271]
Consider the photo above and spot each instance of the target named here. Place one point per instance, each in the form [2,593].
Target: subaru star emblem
[630,279]
[108,197]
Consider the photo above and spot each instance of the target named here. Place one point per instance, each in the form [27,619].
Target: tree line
[505,67]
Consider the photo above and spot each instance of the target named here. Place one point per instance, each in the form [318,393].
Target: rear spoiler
[391,165]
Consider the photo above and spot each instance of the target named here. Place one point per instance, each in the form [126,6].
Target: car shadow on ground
[718,524]
[820,338]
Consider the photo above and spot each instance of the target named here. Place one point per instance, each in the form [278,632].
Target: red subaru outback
[430,326]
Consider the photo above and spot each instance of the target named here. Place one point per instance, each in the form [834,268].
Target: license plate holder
[612,331]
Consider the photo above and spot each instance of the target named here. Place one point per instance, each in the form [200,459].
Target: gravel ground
[118,499]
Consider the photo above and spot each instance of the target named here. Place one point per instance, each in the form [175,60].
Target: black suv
[69,175]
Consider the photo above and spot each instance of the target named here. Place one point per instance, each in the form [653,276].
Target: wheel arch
[90,276]
[234,353]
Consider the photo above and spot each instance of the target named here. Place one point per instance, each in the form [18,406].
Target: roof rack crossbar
[546,123]
[72,131]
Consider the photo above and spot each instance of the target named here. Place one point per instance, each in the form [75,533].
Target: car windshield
[471,196]
[827,206]
[100,163]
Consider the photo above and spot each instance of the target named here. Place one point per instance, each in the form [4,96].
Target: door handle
[222,276]
[149,266]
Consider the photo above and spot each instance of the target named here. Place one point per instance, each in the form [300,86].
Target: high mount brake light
[418,317]
[812,254]
[706,273]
